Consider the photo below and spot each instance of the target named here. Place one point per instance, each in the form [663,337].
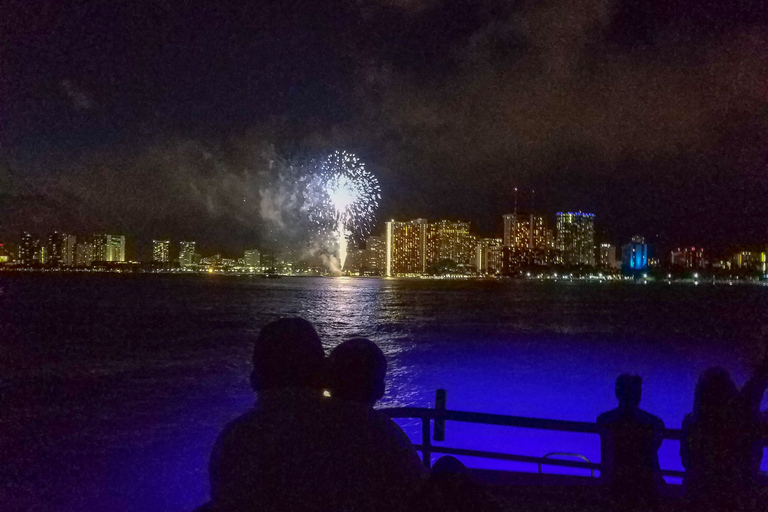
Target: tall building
[252,258]
[108,247]
[607,257]
[448,241]
[634,255]
[29,249]
[84,255]
[527,231]
[576,238]
[406,247]
[688,257]
[187,254]
[116,248]
[527,241]
[750,261]
[60,249]
[161,250]
[488,255]
[375,255]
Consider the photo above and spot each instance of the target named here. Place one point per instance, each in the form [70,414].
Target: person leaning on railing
[721,439]
[630,440]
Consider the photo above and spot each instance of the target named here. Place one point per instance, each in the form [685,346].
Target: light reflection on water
[177,352]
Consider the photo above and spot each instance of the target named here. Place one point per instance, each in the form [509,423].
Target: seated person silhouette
[356,372]
[720,442]
[629,445]
[298,451]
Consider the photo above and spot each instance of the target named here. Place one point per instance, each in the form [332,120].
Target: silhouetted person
[720,444]
[297,451]
[357,369]
[629,447]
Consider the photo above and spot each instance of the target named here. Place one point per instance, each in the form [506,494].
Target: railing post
[440,404]
[426,442]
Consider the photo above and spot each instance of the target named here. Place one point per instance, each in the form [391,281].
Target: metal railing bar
[504,456]
[506,421]
[566,454]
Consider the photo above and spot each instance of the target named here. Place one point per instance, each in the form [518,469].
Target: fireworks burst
[351,196]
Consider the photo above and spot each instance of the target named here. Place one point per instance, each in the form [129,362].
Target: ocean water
[114,387]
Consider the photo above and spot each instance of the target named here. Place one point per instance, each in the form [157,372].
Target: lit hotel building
[688,257]
[415,246]
[375,255]
[84,254]
[61,249]
[750,260]
[406,247]
[576,238]
[607,259]
[634,255]
[29,249]
[186,253]
[488,255]
[109,248]
[449,241]
[161,251]
[527,241]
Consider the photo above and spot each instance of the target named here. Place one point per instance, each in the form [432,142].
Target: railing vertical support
[426,442]
[440,405]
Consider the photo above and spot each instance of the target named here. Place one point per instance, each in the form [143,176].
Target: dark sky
[157,118]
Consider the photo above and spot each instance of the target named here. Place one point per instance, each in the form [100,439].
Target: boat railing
[438,415]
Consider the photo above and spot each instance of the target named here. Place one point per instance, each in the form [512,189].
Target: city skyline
[415,247]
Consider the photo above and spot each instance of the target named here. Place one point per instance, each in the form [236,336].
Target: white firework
[350,196]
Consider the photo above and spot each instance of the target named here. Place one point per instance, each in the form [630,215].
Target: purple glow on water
[115,387]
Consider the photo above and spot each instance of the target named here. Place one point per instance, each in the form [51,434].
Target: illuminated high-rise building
[108,248]
[488,255]
[84,254]
[756,261]
[161,251]
[607,259]
[527,241]
[634,255]
[116,248]
[187,253]
[576,238]
[252,258]
[61,249]
[448,241]
[375,255]
[406,247]
[527,231]
[29,249]
[688,257]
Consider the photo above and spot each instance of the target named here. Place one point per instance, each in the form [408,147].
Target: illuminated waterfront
[132,377]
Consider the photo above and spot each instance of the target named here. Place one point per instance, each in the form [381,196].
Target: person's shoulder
[651,419]
[607,417]
[236,430]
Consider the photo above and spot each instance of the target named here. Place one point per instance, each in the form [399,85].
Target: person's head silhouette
[287,354]
[715,392]
[629,389]
[357,370]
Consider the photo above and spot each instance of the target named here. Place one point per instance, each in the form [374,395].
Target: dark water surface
[114,387]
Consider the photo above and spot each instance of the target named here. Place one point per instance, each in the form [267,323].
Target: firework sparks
[351,197]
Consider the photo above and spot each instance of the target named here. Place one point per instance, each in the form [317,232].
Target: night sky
[157,119]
